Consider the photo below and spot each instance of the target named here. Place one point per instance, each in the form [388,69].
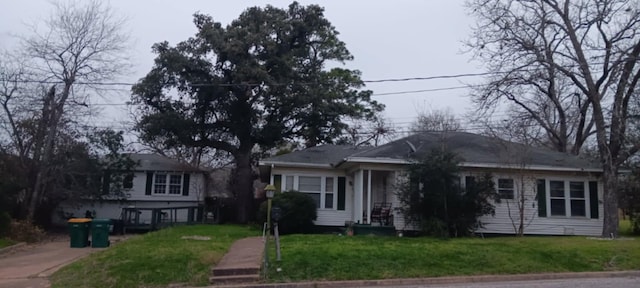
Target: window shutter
[542,198]
[185,184]
[106,181]
[149,185]
[593,196]
[341,192]
[277,182]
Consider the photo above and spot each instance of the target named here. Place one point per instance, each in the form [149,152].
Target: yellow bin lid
[79,220]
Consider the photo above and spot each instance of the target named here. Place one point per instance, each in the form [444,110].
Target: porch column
[369,197]
[357,191]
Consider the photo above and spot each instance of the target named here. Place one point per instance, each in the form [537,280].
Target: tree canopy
[261,80]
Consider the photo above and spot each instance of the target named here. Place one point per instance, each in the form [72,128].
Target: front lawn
[331,257]
[154,259]
[5,243]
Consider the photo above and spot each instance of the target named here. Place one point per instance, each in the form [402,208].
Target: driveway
[31,265]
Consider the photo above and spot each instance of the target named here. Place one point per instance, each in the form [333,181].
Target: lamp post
[269,191]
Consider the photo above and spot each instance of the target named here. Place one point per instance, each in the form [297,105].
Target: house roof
[318,156]
[155,162]
[475,151]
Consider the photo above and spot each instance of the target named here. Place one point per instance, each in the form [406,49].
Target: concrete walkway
[241,264]
[31,265]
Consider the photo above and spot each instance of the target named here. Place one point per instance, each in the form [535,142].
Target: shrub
[298,212]
[25,231]
[5,224]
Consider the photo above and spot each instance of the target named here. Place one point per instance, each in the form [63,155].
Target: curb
[442,280]
[9,249]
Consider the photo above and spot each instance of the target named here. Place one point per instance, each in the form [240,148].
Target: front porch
[374,200]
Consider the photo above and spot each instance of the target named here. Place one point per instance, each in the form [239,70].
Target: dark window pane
[328,201]
[316,198]
[576,189]
[557,188]
[578,208]
[505,183]
[505,194]
[557,207]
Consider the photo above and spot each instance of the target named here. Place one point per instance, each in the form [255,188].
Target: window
[127,182]
[288,183]
[577,198]
[557,198]
[311,186]
[505,188]
[160,183]
[175,184]
[328,193]
[168,183]
[325,191]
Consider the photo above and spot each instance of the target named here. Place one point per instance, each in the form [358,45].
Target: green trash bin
[79,232]
[100,233]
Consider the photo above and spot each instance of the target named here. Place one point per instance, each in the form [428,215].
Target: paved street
[617,282]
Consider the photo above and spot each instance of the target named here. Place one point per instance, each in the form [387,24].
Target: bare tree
[580,53]
[436,120]
[83,43]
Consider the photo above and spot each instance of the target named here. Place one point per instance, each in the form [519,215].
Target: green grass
[154,259]
[625,228]
[5,243]
[330,257]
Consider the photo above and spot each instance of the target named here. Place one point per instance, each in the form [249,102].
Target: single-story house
[156,182]
[562,192]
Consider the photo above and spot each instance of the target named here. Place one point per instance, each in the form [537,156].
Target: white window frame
[567,197]
[167,183]
[323,190]
[513,188]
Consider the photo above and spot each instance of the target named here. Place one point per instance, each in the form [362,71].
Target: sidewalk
[31,265]
[241,264]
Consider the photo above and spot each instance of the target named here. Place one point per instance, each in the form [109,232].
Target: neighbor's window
[311,186]
[167,183]
[175,184]
[557,198]
[160,183]
[505,188]
[127,182]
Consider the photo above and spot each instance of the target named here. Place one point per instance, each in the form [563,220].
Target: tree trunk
[243,180]
[610,225]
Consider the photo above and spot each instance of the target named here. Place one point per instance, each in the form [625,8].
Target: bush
[25,231]
[298,212]
[5,224]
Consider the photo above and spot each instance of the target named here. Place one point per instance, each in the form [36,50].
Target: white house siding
[136,198]
[507,214]
[326,217]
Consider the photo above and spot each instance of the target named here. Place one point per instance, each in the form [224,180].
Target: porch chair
[376,213]
[381,213]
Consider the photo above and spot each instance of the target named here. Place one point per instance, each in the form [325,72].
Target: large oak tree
[254,83]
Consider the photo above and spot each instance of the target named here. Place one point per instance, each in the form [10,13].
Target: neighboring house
[156,182]
[563,192]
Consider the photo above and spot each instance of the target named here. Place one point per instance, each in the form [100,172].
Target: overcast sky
[389,39]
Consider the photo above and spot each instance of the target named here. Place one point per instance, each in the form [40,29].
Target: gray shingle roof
[474,149]
[155,162]
[479,149]
[319,155]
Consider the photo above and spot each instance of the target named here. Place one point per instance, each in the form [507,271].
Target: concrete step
[234,279]
[222,271]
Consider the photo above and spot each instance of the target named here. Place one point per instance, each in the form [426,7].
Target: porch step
[234,279]
[235,271]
